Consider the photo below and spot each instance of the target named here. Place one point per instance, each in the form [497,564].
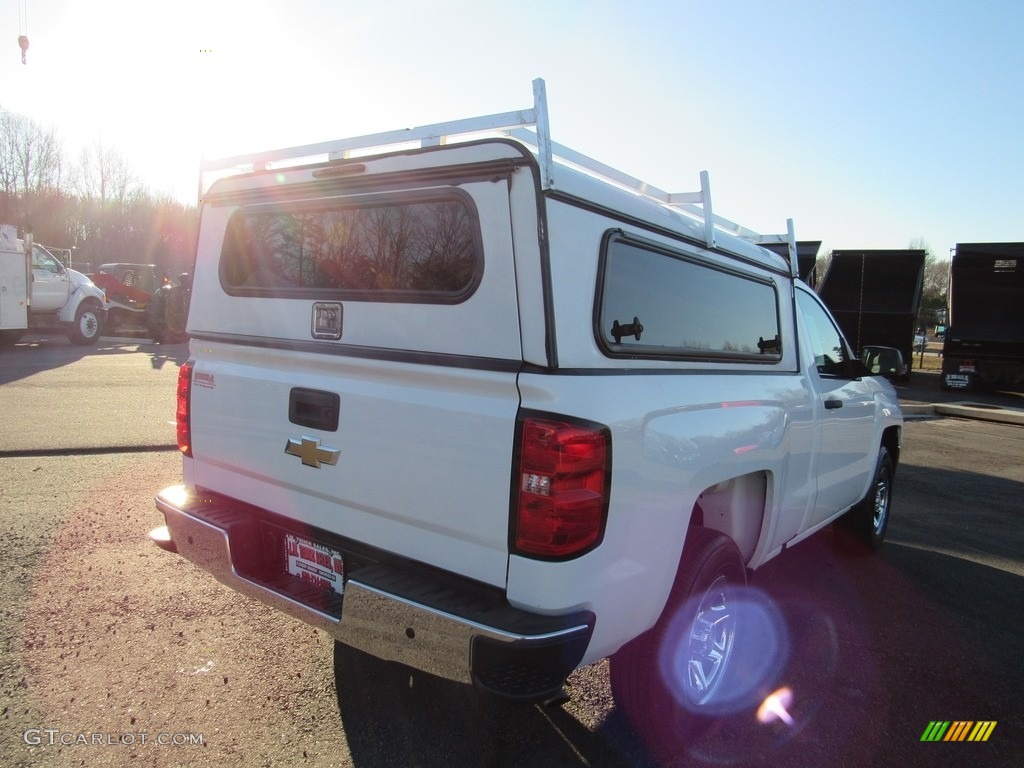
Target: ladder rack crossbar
[516,124]
[427,134]
[697,204]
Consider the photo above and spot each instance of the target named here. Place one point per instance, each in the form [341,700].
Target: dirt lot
[105,634]
[106,638]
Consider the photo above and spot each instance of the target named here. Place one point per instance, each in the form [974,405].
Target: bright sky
[871,123]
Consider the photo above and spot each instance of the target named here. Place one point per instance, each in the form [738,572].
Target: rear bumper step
[398,612]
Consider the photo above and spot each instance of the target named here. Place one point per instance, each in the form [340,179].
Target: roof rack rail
[516,125]
[424,135]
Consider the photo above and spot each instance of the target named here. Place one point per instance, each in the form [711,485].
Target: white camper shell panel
[481,326]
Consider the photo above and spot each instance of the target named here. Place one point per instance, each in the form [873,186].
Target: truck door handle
[832,404]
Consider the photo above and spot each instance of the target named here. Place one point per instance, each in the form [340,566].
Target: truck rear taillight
[561,482]
[183,415]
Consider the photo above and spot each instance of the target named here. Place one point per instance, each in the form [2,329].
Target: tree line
[92,205]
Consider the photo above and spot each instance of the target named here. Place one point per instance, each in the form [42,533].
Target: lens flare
[723,650]
[776,707]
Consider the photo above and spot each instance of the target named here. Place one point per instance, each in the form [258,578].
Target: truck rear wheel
[668,681]
[87,327]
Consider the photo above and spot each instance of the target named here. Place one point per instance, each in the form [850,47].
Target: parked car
[135,282]
[885,361]
[128,289]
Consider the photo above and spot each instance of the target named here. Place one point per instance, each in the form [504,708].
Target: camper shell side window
[656,302]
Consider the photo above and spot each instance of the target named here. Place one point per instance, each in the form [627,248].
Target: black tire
[166,315]
[697,632]
[88,325]
[176,312]
[863,528]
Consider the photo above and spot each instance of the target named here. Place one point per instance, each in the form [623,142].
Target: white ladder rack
[515,124]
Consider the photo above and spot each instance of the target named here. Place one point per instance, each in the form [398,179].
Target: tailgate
[421,453]
[386,293]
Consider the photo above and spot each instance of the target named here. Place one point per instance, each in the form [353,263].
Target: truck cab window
[42,260]
[825,341]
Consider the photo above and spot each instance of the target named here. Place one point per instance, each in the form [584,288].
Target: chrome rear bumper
[396,612]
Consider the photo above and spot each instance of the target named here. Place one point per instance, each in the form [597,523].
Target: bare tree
[8,152]
[31,157]
[936,270]
[103,175]
[821,263]
[934,287]
[105,213]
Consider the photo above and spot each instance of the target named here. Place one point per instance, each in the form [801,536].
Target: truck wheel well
[891,441]
[734,507]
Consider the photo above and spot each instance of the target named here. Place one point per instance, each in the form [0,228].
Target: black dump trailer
[806,257]
[984,342]
[875,296]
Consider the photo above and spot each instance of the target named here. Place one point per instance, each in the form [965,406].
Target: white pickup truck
[37,291]
[493,410]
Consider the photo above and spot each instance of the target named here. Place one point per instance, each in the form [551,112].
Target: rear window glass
[403,250]
[663,304]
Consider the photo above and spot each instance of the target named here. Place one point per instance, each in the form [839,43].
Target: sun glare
[776,707]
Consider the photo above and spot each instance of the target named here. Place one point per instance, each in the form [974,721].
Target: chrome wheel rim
[711,641]
[881,506]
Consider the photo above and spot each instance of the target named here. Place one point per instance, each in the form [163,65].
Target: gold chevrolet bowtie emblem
[312,454]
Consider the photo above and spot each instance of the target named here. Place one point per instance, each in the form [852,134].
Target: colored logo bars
[958,730]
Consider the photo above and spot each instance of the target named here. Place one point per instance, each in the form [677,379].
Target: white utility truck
[37,291]
[472,402]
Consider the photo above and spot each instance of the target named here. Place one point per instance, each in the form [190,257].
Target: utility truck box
[37,291]
[14,281]
[477,404]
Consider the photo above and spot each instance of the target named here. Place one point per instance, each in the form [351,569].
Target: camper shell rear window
[656,302]
[423,248]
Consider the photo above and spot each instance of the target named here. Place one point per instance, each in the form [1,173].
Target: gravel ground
[105,637]
[104,634]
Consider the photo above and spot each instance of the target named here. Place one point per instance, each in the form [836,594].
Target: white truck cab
[38,291]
